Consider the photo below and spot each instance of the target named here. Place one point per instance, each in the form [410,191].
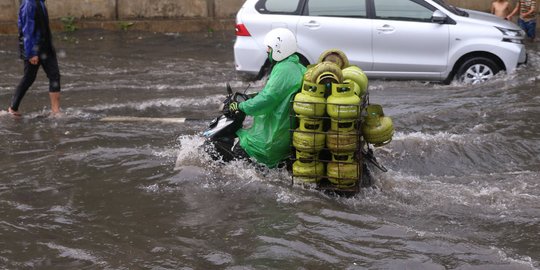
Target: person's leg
[221,148]
[521,24]
[50,65]
[226,148]
[55,102]
[532,29]
[239,152]
[30,72]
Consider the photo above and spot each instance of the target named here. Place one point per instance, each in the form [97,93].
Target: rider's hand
[233,107]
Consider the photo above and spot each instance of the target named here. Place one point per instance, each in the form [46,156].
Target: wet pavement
[462,191]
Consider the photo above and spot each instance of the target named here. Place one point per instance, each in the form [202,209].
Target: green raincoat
[268,139]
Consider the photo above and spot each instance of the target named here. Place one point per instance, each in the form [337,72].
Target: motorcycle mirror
[229,89]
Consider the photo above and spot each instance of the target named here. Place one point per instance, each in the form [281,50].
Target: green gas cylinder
[335,56]
[343,170]
[357,75]
[343,136]
[355,87]
[307,168]
[309,136]
[323,73]
[339,142]
[343,103]
[308,172]
[343,125]
[310,101]
[377,128]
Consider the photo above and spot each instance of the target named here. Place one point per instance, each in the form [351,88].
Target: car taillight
[241,30]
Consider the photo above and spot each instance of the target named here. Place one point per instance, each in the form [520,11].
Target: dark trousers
[529,27]
[50,66]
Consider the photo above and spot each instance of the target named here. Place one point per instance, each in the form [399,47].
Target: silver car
[390,39]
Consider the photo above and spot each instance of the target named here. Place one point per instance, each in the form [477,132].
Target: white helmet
[282,42]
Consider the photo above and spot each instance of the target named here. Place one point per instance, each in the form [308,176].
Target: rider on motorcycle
[268,139]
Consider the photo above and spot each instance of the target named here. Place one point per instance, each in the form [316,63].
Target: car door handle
[312,24]
[386,28]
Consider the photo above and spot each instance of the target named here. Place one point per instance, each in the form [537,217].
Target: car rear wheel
[477,70]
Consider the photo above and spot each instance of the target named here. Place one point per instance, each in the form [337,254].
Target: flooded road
[462,191]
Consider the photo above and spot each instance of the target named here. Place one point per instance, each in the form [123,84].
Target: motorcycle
[221,141]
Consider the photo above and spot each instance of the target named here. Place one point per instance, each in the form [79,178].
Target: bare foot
[13,112]
[56,114]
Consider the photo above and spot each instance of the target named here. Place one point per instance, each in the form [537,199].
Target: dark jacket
[34,30]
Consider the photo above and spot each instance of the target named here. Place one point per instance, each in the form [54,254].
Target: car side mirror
[438,17]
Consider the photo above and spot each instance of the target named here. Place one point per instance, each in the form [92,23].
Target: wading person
[36,49]
[527,17]
[268,139]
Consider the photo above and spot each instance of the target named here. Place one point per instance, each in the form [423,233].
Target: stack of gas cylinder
[335,122]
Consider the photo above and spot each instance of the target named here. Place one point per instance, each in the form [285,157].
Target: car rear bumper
[249,57]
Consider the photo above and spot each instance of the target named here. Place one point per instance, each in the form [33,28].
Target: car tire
[477,70]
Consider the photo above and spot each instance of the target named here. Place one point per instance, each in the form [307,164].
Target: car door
[336,25]
[275,14]
[406,43]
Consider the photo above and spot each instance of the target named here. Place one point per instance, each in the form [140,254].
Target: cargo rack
[363,175]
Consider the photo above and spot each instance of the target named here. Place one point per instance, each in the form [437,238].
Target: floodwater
[462,191]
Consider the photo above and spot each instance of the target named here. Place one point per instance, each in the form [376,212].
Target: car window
[278,6]
[405,10]
[342,8]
